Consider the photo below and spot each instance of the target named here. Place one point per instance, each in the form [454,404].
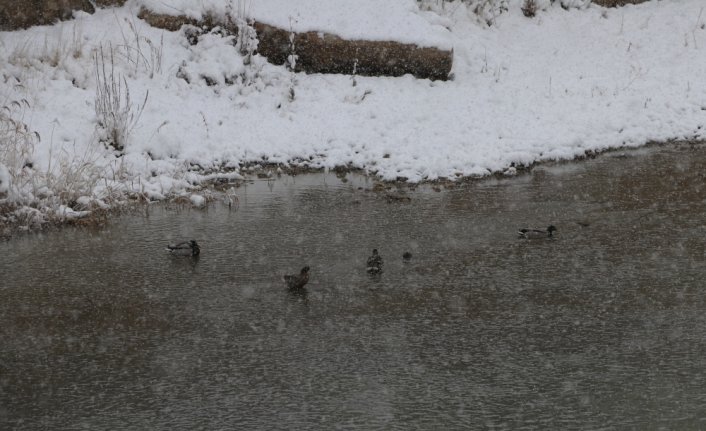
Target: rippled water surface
[602,327]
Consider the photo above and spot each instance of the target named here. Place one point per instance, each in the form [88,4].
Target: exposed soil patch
[617,3]
[16,14]
[327,53]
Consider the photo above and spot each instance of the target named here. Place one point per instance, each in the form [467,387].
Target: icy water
[602,328]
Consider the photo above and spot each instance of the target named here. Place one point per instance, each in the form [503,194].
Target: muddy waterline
[602,327]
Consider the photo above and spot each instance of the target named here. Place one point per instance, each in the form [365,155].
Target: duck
[537,233]
[297,281]
[406,256]
[374,263]
[186,248]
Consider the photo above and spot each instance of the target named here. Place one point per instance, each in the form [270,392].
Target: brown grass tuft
[529,8]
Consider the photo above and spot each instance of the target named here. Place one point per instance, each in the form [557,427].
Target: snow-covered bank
[524,90]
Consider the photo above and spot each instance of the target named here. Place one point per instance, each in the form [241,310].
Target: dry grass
[17,142]
[55,50]
[117,116]
[139,52]
[486,10]
[529,8]
[34,194]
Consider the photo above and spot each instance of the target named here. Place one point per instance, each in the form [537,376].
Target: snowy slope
[524,90]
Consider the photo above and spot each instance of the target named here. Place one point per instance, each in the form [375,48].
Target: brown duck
[297,281]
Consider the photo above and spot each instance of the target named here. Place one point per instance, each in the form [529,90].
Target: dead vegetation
[529,8]
[117,116]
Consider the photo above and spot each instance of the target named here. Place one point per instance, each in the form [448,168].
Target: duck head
[195,249]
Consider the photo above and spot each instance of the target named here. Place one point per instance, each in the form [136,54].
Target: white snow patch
[67,213]
[214,61]
[5,179]
[197,200]
[84,201]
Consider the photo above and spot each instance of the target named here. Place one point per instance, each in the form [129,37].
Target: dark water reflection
[601,328]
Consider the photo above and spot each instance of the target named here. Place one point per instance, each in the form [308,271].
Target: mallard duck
[374,264]
[186,248]
[537,233]
[297,281]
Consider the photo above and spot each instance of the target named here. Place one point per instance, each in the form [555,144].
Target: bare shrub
[74,174]
[35,191]
[291,63]
[529,8]
[140,52]
[238,21]
[17,143]
[54,51]
[486,10]
[117,116]
[20,54]
[58,49]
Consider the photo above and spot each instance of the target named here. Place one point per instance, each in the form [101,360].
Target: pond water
[602,327]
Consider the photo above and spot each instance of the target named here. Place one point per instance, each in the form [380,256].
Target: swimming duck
[537,233]
[297,281]
[406,256]
[374,264]
[186,248]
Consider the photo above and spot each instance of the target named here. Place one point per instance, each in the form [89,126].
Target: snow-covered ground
[523,90]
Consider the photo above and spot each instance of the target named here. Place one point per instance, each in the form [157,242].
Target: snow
[67,213]
[523,90]
[197,200]
[4,180]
